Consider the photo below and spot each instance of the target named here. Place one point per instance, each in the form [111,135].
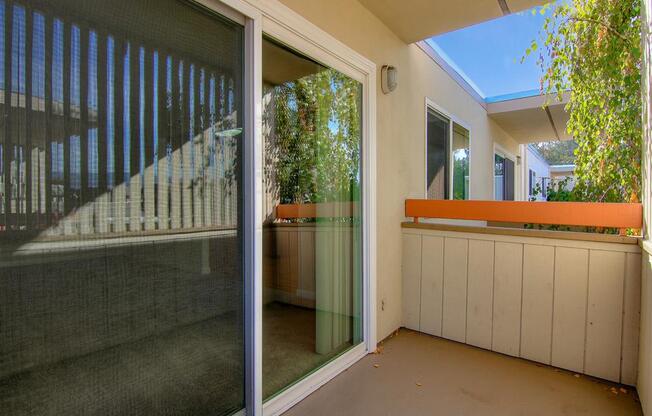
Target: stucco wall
[401,131]
[539,166]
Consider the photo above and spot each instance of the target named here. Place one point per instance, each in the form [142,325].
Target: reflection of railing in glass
[121,281]
[108,134]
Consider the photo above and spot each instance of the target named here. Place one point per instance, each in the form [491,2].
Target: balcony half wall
[566,299]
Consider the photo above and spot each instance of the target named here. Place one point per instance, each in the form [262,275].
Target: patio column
[644,381]
[647,113]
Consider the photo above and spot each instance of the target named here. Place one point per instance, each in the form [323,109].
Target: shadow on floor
[417,374]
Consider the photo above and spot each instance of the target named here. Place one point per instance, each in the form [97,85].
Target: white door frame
[288,27]
[280,22]
[251,17]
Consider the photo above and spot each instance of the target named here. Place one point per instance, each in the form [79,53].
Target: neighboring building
[563,172]
[538,171]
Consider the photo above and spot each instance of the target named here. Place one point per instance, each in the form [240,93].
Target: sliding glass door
[437,153]
[131,263]
[312,247]
[121,231]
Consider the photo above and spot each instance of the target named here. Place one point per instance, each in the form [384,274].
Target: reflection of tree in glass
[460,174]
[317,139]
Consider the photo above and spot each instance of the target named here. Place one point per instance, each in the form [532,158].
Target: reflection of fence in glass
[102,134]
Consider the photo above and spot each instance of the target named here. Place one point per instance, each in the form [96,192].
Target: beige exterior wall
[401,132]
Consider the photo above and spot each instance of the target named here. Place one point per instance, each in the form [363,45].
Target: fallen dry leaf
[622,390]
[419,384]
[376,365]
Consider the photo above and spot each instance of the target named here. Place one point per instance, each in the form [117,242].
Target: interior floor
[417,374]
[196,369]
[289,346]
[192,370]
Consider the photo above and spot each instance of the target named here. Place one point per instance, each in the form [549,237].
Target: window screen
[121,288]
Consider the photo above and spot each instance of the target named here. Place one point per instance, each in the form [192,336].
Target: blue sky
[489,54]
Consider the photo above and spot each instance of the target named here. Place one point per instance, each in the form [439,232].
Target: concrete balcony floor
[416,374]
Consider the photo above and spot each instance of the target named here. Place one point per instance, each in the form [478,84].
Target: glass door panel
[460,162]
[312,245]
[121,282]
[438,144]
[499,177]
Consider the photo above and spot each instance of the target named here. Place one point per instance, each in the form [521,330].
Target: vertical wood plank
[119,194]
[631,319]
[432,280]
[163,212]
[536,325]
[455,281]
[217,151]
[411,258]
[197,151]
[293,265]
[325,264]
[47,183]
[569,312]
[207,139]
[134,139]
[508,279]
[102,201]
[233,156]
[479,308]
[68,203]
[644,378]
[177,142]
[85,217]
[186,148]
[307,267]
[148,109]
[223,157]
[604,314]
[30,175]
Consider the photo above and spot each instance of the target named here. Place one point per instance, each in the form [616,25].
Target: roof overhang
[527,121]
[415,20]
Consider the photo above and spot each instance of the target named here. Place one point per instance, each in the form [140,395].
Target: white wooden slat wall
[567,303]
[412,282]
[569,316]
[432,280]
[480,294]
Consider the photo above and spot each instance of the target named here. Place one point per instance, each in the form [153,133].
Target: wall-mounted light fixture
[388,78]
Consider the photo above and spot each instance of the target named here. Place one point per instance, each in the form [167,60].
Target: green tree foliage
[558,152]
[461,174]
[592,48]
[317,138]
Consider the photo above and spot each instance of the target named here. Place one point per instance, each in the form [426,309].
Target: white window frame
[502,152]
[433,106]
[285,25]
